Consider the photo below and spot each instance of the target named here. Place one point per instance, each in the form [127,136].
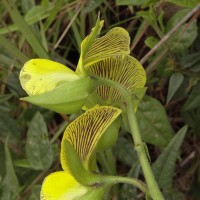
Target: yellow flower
[104,65]
[77,149]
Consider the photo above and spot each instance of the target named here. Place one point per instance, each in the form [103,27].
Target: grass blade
[25,29]
[12,49]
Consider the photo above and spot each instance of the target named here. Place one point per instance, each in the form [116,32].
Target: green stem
[133,181]
[142,154]
[139,145]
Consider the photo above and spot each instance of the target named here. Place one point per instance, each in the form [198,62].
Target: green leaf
[25,29]
[149,16]
[10,188]
[194,99]
[53,13]
[185,3]
[161,21]
[153,122]
[12,49]
[39,150]
[75,28]
[174,83]
[165,164]
[68,98]
[92,4]
[22,163]
[127,155]
[186,34]
[192,118]
[38,13]
[33,15]
[151,41]
[131,2]
[190,60]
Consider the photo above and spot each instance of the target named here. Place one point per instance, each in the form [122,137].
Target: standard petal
[40,75]
[88,42]
[125,70]
[115,42]
[85,132]
[61,186]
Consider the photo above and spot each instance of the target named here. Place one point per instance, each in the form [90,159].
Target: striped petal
[125,70]
[115,42]
[39,76]
[87,43]
[84,132]
[61,186]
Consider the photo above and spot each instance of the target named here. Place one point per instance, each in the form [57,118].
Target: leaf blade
[164,166]
[25,29]
[174,83]
[153,122]
[38,144]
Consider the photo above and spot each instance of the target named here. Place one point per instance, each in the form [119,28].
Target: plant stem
[133,181]
[139,145]
[141,151]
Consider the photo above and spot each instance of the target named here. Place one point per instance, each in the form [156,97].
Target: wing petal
[61,185]
[40,75]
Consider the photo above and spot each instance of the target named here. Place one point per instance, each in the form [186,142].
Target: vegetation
[165,38]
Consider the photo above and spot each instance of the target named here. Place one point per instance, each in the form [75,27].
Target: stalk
[140,147]
[153,188]
[132,181]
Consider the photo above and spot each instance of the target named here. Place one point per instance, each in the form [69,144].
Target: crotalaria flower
[78,147]
[104,66]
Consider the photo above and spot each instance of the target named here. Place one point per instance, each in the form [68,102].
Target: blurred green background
[30,136]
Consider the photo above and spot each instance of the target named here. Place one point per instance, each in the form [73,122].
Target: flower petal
[87,43]
[61,186]
[85,132]
[125,70]
[115,42]
[40,75]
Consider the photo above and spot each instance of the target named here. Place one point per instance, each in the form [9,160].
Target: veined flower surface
[82,135]
[54,86]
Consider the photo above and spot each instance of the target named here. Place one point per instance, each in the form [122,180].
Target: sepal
[66,99]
